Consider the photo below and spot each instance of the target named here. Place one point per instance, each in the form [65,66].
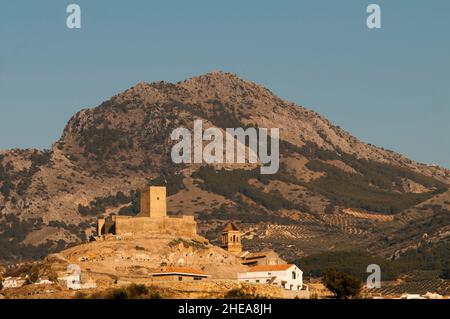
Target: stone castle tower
[153,202]
[151,219]
[230,239]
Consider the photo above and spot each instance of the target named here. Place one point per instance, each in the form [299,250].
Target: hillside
[332,192]
[136,257]
[120,261]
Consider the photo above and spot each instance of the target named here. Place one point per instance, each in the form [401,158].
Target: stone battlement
[152,219]
[184,226]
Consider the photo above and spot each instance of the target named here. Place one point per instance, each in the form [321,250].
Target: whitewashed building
[73,281]
[13,282]
[433,295]
[411,296]
[287,276]
[44,281]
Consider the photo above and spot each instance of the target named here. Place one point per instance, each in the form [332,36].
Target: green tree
[136,291]
[239,293]
[119,293]
[340,284]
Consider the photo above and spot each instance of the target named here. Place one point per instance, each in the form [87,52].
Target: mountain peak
[217,74]
[141,84]
[210,77]
[213,78]
[226,85]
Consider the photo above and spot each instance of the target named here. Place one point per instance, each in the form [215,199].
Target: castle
[152,218]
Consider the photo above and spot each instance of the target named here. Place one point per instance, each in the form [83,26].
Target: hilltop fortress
[152,218]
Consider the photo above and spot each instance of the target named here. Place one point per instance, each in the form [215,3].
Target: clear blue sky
[389,87]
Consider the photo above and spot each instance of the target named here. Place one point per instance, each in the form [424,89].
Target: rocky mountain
[333,192]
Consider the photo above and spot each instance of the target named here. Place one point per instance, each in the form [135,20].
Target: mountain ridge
[106,153]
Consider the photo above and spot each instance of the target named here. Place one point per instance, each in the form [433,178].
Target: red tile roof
[270,268]
[180,271]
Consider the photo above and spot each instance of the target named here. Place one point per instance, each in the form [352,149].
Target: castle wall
[105,226]
[101,226]
[184,226]
[144,204]
[152,218]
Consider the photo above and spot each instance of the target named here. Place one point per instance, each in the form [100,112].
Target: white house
[288,276]
[44,281]
[74,282]
[433,295]
[13,282]
[411,296]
